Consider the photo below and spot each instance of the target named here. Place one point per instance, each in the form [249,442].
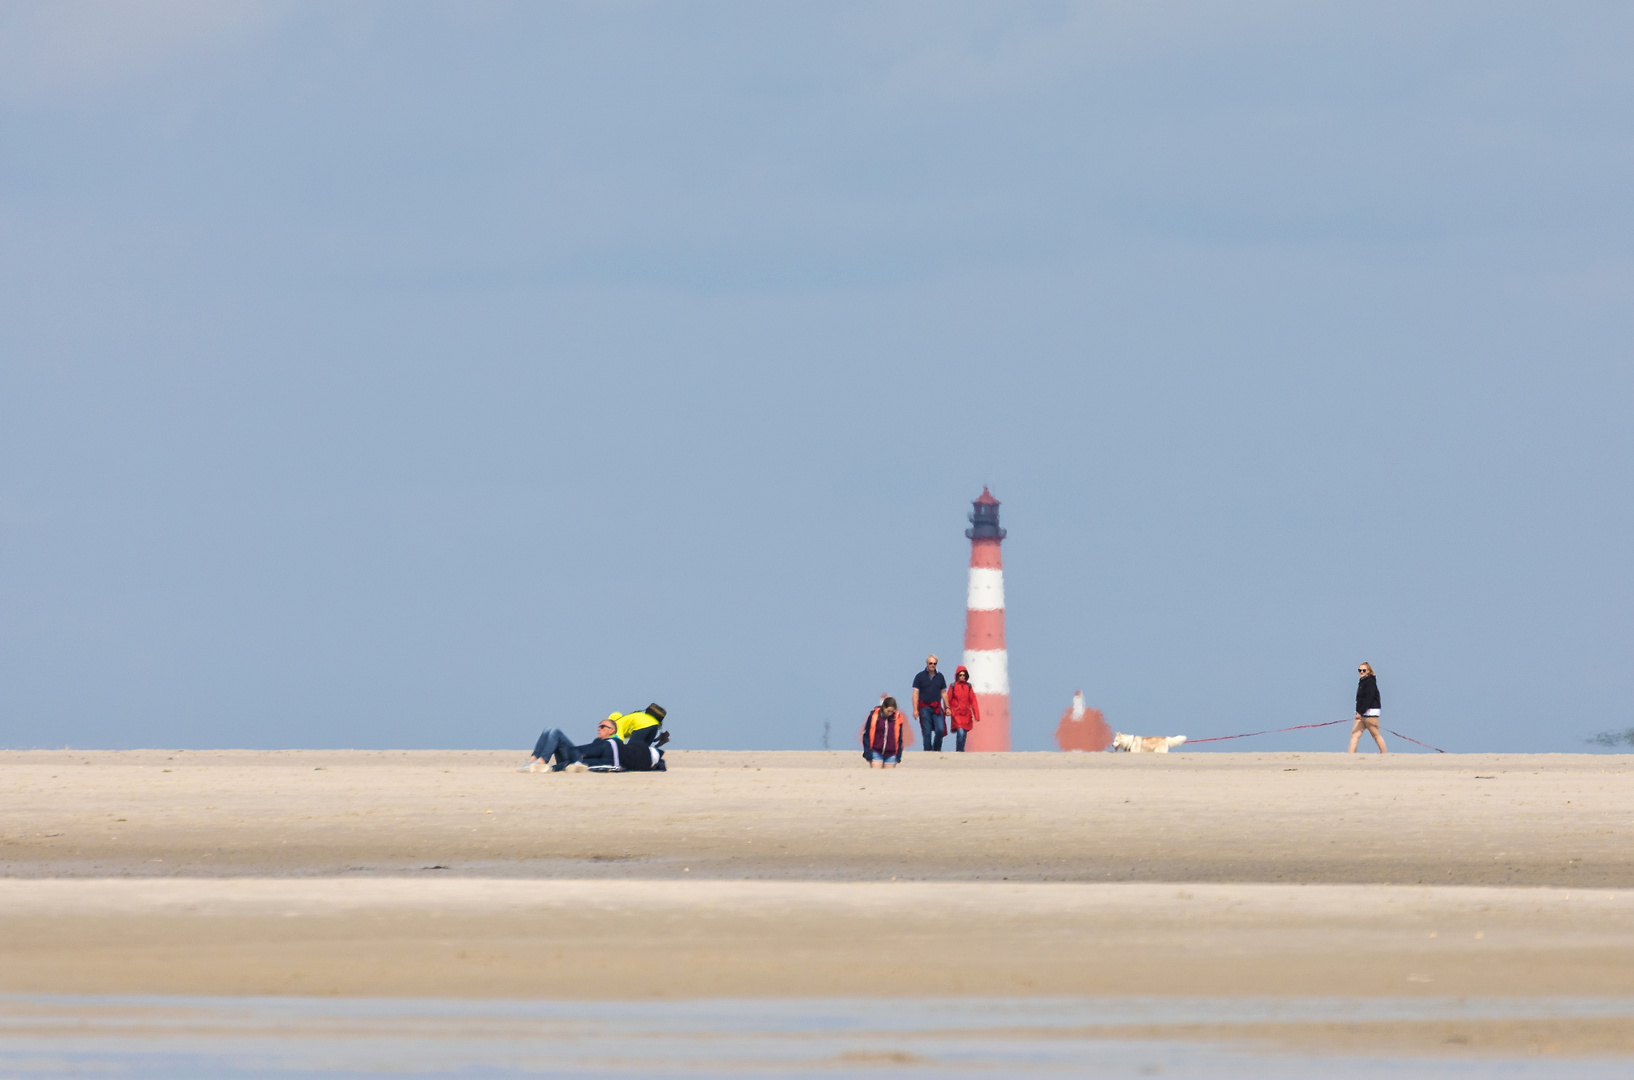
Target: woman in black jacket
[1367,708]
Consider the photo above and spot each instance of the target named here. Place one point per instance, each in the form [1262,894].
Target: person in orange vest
[963,711]
[882,736]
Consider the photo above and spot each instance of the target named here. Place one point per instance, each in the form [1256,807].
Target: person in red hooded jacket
[963,712]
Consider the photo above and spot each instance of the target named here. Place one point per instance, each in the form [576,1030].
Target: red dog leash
[1410,739]
[1302,727]
[1273,731]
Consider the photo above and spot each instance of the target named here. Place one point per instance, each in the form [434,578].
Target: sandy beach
[753,875]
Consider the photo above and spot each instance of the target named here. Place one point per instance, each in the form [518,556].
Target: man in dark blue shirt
[930,703]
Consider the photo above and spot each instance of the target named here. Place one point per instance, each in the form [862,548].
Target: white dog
[1145,744]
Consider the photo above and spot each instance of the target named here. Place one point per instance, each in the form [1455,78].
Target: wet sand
[449,874]
[1205,1038]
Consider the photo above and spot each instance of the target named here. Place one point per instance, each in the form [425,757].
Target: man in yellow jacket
[643,725]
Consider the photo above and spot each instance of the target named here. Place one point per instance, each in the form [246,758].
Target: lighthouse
[985,654]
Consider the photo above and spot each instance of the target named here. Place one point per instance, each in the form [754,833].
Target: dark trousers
[600,752]
[555,744]
[959,734]
[932,726]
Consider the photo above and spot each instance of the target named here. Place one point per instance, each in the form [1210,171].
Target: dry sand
[1556,820]
[803,874]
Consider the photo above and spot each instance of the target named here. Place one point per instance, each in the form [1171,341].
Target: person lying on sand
[605,750]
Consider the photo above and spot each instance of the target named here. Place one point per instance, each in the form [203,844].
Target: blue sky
[422,375]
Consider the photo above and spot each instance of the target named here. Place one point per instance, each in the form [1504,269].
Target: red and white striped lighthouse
[985,654]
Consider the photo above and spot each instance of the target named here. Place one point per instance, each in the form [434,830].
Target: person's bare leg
[1355,735]
[876,763]
[1373,730]
[889,765]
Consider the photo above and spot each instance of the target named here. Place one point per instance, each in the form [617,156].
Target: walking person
[1367,708]
[882,736]
[963,711]
[930,703]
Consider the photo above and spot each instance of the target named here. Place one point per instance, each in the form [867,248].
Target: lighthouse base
[992,733]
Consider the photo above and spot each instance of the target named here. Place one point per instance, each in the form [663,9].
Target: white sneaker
[535,766]
[577,766]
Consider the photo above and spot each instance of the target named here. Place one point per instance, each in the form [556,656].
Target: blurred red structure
[1081,728]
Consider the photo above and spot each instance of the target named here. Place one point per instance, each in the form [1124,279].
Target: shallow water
[178,1037]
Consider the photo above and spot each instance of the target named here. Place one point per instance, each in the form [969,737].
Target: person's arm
[975,707]
[913,695]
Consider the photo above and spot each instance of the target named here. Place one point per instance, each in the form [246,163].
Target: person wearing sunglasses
[963,710]
[1367,708]
[554,743]
[930,704]
[606,750]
